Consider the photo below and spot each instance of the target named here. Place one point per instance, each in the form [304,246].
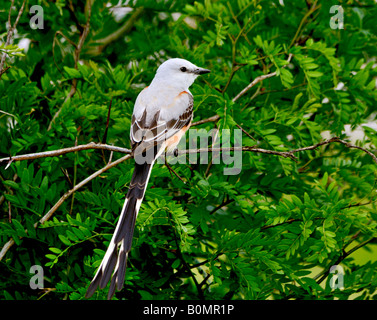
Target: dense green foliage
[270,232]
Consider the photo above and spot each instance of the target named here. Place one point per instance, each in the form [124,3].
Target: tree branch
[336,139]
[76,57]
[92,145]
[10,34]
[242,92]
[210,119]
[324,273]
[48,215]
[99,45]
[258,79]
[310,12]
[286,154]
[55,153]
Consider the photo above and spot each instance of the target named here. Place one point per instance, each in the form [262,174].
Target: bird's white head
[178,73]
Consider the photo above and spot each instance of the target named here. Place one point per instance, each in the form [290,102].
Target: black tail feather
[114,258]
[106,275]
[122,270]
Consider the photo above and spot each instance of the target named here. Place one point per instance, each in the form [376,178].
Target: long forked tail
[116,259]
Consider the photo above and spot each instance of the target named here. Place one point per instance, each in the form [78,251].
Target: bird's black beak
[201,71]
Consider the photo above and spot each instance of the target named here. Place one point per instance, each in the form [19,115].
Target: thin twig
[312,9]
[48,215]
[223,204]
[259,79]
[6,247]
[104,138]
[9,212]
[336,139]
[55,153]
[286,154]
[76,57]
[279,224]
[172,170]
[324,273]
[79,185]
[196,265]
[210,119]
[242,92]
[10,34]
[97,46]
[245,132]
[201,284]
[92,145]
[185,264]
[53,48]
[3,71]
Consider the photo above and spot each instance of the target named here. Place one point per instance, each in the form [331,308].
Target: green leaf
[64,240]
[11,184]
[71,236]
[72,73]
[176,263]
[19,228]
[44,184]
[55,250]
[314,74]
[50,256]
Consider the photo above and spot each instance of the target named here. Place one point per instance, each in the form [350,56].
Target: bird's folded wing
[152,129]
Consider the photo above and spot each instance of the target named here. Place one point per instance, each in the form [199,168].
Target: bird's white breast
[170,101]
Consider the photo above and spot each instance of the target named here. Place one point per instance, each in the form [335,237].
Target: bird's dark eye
[183,69]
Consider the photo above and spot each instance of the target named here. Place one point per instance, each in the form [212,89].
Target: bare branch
[349,145]
[285,154]
[257,80]
[81,184]
[55,153]
[6,247]
[325,272]
[4,70]
[245,132]
[336,139]
[104,138]
[242,92]
[211,119]
[48,215]
[92,145]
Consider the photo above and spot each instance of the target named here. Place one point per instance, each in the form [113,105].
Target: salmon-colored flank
[174,140]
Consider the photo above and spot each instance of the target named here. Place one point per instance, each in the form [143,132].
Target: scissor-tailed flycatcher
[162,114]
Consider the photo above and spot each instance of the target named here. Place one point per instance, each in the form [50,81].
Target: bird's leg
[171,169]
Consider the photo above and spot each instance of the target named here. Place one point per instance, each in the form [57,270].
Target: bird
[163,112]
